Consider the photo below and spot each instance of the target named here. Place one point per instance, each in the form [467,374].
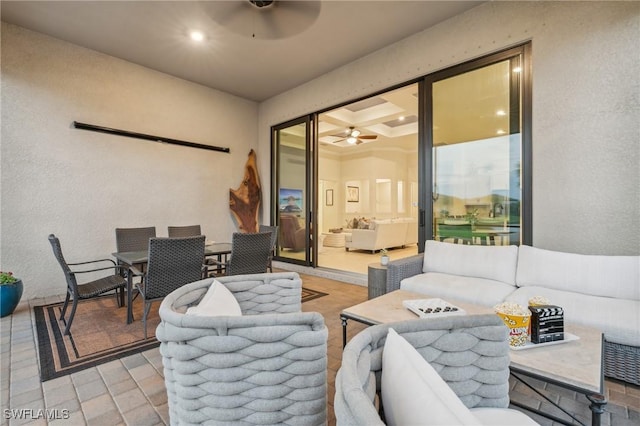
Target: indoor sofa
[594,290]
[383,234]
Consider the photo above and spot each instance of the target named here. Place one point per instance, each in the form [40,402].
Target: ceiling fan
[354,136]
[264,19]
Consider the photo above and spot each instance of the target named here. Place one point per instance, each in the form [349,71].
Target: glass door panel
[291,191]
[476,155]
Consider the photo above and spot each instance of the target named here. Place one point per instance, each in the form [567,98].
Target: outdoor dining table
[131,258]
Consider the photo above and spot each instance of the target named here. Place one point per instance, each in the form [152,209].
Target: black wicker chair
[114,282]
[173,262]
[250,254]
[184,231]
[274,238]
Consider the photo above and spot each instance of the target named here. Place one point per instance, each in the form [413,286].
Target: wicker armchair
[173,262]
[268,366]
[250,254]
[471,353]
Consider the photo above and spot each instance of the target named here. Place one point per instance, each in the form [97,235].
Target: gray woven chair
[112,282]
[133,239]
[173,262]
[268,366]
[471,354]
[274,239]
[250,254]
[184,231]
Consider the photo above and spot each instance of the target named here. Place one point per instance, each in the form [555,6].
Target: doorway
[368,180]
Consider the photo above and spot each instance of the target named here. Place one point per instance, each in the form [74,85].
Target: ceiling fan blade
[368,137]
[339,140]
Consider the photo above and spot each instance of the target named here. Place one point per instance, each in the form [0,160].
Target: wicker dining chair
[274,239]
[184,231]
[133,239]
[113,282]
[173,262]
[249,254]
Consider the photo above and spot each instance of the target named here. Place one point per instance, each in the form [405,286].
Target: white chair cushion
[502,417]
[491,262]
[218,301]
[413,392]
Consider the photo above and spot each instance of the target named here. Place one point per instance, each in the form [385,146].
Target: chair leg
[64,308]
[120,296]
[147,305]
[73,312]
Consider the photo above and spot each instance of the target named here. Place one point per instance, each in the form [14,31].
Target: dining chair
[173,262]
[184,231]
[274,238]
[249,254]
[134,239]
[113,282]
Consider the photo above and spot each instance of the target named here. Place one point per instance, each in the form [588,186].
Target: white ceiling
[155,34]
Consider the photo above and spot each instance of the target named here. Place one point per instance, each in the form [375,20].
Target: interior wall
[81,185]
[586,179]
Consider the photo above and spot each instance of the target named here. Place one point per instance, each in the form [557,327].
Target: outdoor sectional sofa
[594,290]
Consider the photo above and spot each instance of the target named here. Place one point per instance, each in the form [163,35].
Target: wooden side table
[376,280]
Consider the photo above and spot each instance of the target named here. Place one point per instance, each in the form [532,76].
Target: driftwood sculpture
[244,202]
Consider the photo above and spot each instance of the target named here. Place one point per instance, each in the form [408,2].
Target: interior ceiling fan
[354,136]
[264,19]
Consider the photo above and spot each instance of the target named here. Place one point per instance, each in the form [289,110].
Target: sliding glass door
[292,193]
[475,121]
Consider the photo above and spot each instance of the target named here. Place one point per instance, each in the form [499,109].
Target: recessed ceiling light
[500,132]
[401,118]
[196,35]
[500,112]
[517,69]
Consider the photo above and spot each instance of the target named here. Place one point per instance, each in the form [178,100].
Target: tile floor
[131,390]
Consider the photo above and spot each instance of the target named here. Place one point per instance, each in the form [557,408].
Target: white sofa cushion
[217,301]
[491,262]
[413,392]
[457,287]
[618,319]
[608,276]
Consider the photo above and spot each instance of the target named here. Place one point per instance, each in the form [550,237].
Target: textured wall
[586,113]
[81,185]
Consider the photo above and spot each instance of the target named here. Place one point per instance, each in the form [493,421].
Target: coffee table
[575,365]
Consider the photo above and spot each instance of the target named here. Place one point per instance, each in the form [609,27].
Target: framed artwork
[328,197]
[290,200]
[353,194]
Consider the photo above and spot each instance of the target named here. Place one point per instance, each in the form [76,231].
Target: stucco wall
[81,185]
[586,113]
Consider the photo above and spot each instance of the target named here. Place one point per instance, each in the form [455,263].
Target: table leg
[344,331]
[598,402]
[129,298]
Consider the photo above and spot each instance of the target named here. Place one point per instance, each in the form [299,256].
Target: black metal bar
[109,130]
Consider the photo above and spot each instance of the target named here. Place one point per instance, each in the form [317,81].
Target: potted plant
[10,293]
[384,257]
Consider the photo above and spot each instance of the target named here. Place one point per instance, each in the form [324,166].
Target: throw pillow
[413,392]
[218,301]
